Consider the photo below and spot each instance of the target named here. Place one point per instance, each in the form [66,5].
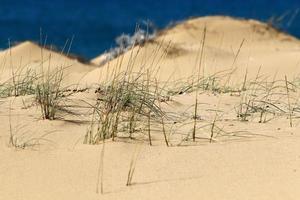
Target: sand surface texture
[241,77]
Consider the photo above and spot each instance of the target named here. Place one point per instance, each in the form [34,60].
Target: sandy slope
[228,171]
[28,55]
[256,167]
[99,59]
[248,160]
[175,51]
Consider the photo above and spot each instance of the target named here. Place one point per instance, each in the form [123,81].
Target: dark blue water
[95,23]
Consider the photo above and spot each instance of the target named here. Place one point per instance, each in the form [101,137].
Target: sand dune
[246,138]
[99,59]
[28,55]
[180,46]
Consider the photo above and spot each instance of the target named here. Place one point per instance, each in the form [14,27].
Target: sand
[246,160]
[29,56]
[175,51]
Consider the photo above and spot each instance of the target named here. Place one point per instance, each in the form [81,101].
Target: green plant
[198,81]
[132,165]
[49,94]
[122,103]
[289,103]
[20,85]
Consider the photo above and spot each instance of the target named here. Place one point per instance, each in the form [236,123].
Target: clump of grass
[212,131]
[123,103]
[47,89]
[20,85]
[267,100]
[210,83]
[49,94]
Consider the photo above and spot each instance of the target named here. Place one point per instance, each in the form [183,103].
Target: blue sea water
[96,23]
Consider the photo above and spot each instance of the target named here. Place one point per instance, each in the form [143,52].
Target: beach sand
[232,158]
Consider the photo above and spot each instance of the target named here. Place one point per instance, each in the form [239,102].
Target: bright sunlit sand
[207,109]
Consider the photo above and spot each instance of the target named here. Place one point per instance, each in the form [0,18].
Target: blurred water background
[95,24]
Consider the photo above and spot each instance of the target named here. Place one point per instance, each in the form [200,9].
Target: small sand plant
[267,99]
[23,83]
[198,81]
[133,164]
[49,94]
[289,103]
[122,103]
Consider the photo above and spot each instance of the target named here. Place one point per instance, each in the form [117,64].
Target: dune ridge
[180,46]
[28,55]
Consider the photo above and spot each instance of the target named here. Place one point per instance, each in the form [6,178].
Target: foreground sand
[61,167]
[248,160]
[266,169]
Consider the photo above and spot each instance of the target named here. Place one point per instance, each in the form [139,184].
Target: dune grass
[20,137]
[267,100]
[198,81]
[132,164]
[49,94]
[20,85]
[129,103]
[122,103]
